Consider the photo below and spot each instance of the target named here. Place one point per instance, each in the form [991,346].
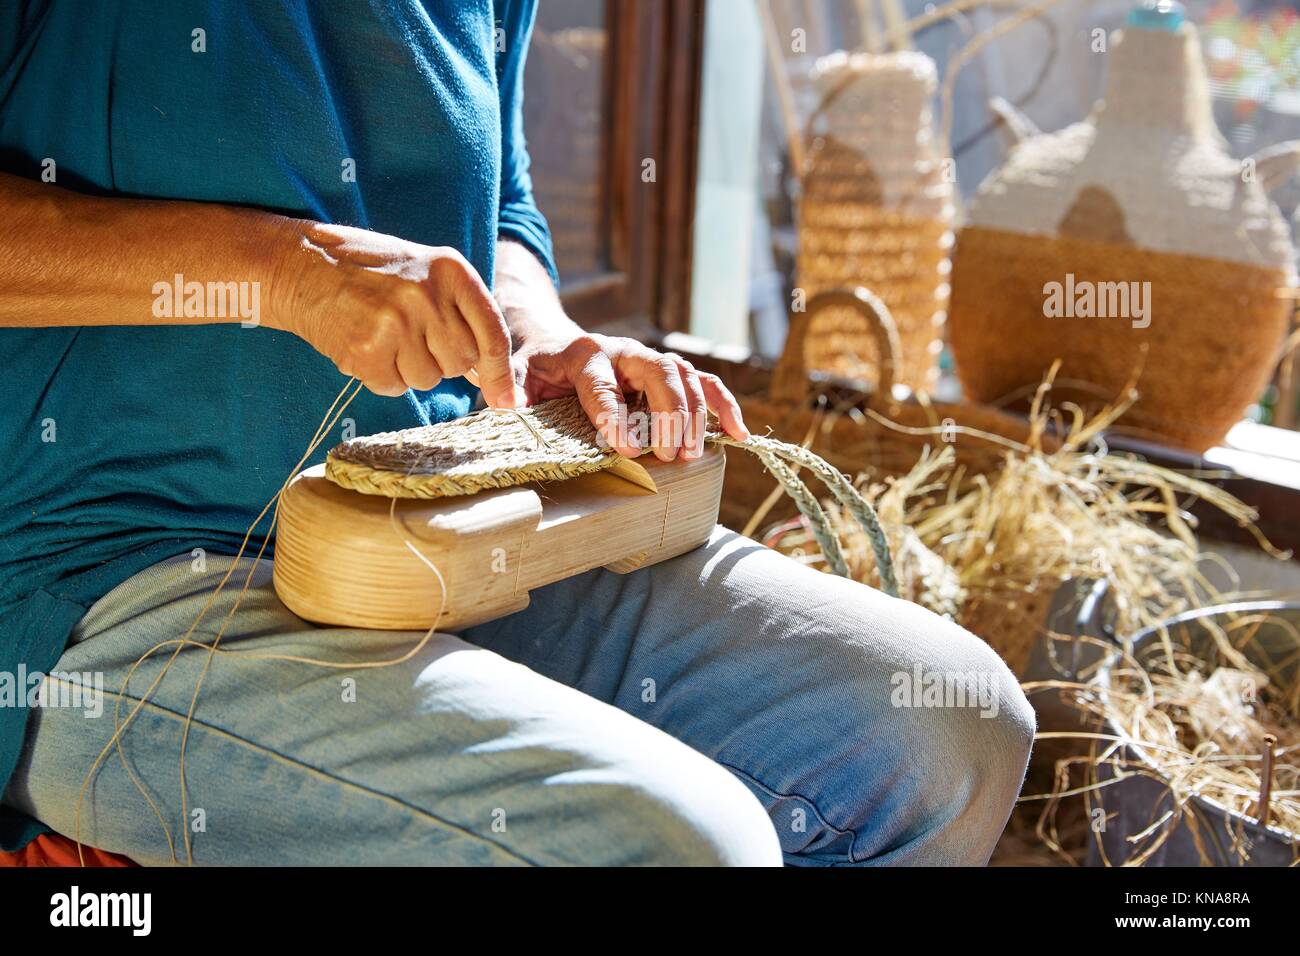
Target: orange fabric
[50,849]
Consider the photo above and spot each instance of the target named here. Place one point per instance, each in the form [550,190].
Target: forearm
[68,259]
[527,297]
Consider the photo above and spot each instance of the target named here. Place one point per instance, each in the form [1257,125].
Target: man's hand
[555,357]
[602,369]
[393,313]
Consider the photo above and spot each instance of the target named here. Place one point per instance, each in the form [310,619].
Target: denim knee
[696,814]
[924,752]
[969,729]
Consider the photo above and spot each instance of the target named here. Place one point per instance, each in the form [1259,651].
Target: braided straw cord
[769,449]
[811,509]
[555,440]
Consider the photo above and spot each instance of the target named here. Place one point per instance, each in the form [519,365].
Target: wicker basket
[1142,199]
[852,438]
[876,210]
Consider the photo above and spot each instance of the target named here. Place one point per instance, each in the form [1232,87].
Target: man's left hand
[603,369]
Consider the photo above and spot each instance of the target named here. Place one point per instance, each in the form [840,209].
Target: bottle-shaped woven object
[876,211]
[1132,239]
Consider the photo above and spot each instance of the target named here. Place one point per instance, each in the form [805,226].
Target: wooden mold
[340,560]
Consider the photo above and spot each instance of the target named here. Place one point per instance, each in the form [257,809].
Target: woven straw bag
[878,436]
[1141,202]
[876,210]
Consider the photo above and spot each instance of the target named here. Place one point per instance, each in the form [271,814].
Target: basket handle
[790,376]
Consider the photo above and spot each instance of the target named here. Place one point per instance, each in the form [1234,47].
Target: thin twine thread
[330,419]
[781,459]
[119,727]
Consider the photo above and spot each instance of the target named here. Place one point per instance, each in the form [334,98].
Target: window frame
[651,111]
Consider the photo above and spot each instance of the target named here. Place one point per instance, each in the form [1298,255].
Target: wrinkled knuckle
[387,322]
[361,351]
[599,386]
[585,346]
[449,268]
[666,366]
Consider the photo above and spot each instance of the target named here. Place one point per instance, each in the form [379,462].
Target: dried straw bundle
[997,546]
[879,432]
[1197,745]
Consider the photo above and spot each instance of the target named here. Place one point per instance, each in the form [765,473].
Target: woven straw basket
[852,439]
[1143,191]
[876,210]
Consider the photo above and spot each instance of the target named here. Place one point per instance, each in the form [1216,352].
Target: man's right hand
[392,313]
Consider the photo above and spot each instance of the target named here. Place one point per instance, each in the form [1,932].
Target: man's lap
[786,676]
[780,674]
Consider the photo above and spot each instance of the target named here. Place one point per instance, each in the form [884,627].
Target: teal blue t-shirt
[126,445]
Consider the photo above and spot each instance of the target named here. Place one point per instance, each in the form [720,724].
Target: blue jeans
[729,706]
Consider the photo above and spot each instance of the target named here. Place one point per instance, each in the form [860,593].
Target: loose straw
[871,39]
[896,25]
[1168,730]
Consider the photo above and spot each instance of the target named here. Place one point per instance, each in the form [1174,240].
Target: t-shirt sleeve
[518,217]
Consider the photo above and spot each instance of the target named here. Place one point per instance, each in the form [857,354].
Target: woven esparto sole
[551,441]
